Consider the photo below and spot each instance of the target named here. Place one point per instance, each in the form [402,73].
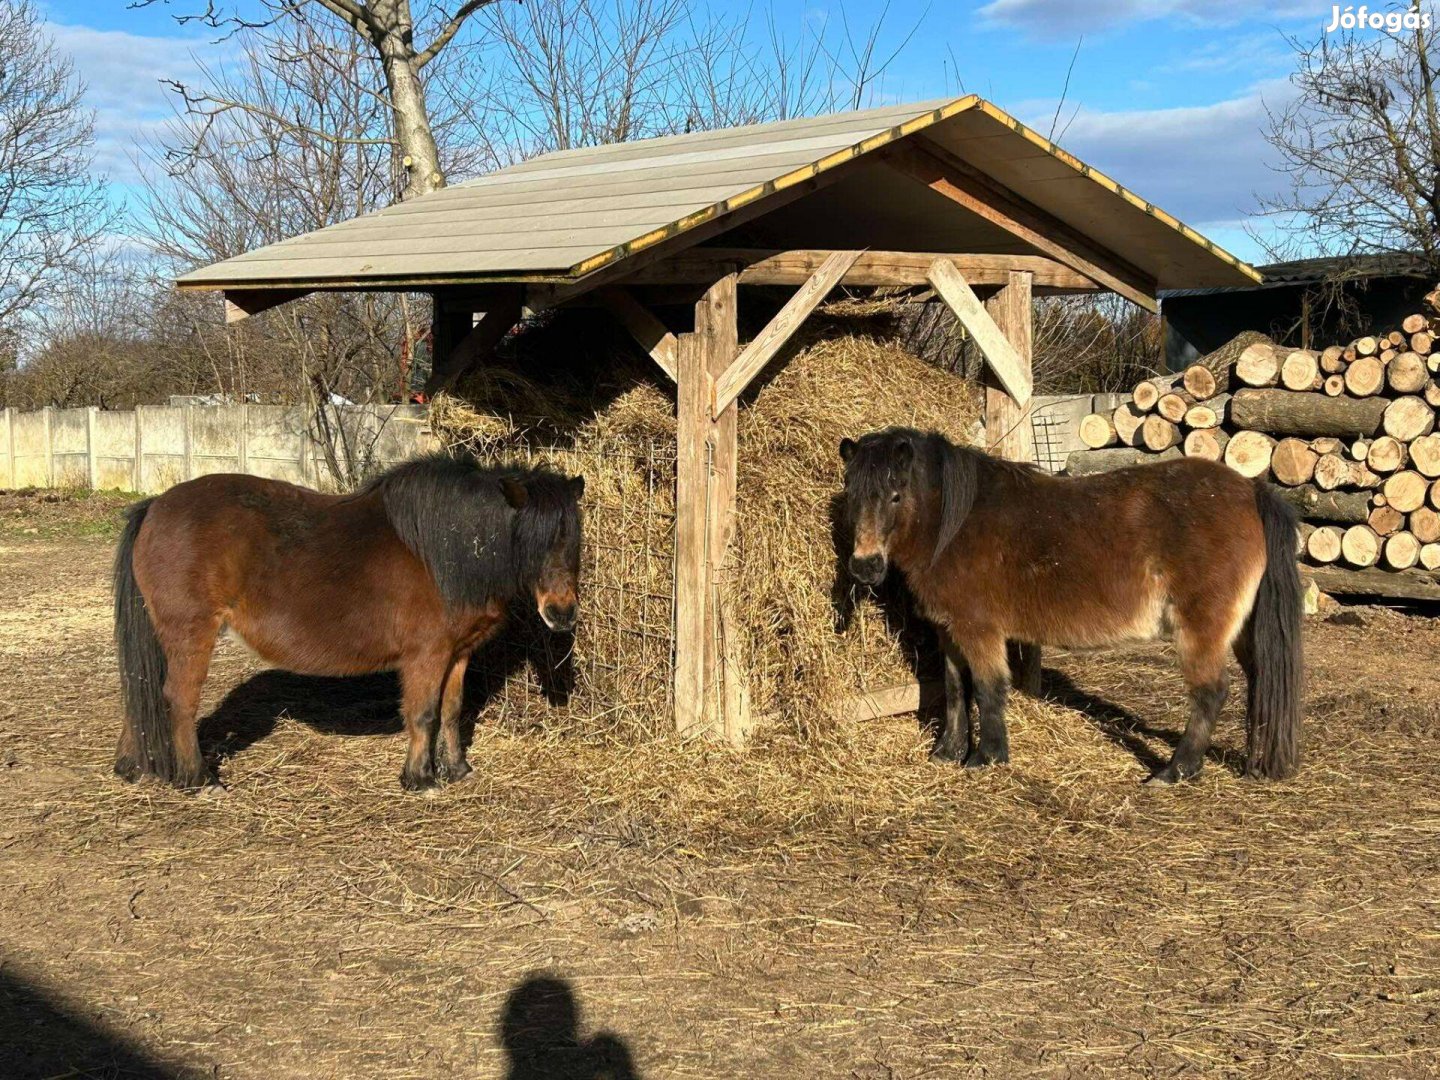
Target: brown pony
[410,574]
[993,551]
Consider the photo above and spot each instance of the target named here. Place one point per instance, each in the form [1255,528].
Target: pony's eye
[895,497]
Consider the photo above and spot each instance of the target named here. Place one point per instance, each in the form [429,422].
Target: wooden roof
[562,216]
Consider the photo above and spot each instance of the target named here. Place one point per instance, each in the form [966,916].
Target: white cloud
[1066,18]
[1203,164]
[122,74]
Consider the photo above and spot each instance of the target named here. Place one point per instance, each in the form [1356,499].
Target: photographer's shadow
[540,1030]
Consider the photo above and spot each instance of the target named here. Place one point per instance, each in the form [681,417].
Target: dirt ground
[658,910]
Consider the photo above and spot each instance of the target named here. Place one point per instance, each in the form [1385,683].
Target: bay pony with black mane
[994,552]
[412,573]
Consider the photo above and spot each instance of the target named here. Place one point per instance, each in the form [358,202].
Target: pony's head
[891,478]
[546,541]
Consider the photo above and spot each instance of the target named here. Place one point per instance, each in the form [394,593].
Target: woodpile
[1348,433]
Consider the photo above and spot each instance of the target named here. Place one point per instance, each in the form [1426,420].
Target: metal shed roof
[564,215]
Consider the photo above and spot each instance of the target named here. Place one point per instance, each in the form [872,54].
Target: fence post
[92,470]
[10,445]
[242,450]
[45,415]
[189,466]
[139,453]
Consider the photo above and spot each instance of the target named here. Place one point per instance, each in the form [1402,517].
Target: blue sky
[1167,96]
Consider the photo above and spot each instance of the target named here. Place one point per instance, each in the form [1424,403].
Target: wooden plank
[1044,232]
[768,342]
[1401,585]
[1008,432]
[1004,360]
[892,701]
[648,331]
[242,303]
[775,267]
[499,319]
[692,427]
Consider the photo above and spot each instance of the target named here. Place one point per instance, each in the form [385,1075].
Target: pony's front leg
[421,681]
[450,763]
[990,669]
[956,740]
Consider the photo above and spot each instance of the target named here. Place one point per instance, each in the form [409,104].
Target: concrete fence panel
[70,448]
[30,442]
[113,450]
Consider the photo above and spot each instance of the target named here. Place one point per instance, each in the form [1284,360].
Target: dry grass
[810,907]
[807,641]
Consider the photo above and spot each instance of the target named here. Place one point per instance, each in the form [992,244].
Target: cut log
[1405,491]
[1395,338]
[1425,524]
[1207,443]
[1259,365]
[1174,405]
[1202,383]
[1327,444]
[1365,346]
[1413,324]
[1299,370]
[1402,551]
[1407,373]
[1146,394]
[1425,455]
[1312,504]
[1293,462]
[1432,300]
[1285,412]
[1127,420]
[1431,394]
[1435,495]
[1098,430]
[1386,355]
[1386,520]
[1360,449]
[1422,342]
[1331,471]
[1248,453]
[1323,545]
[1365,376]
[1391,584]
[1332,360]
[1408,418]
[1362,477]
[1386,454]
[1091,462]
[1360,547]
[1157,433]
[1201,416]
[1334,385]
[1350,355]
[1430,556]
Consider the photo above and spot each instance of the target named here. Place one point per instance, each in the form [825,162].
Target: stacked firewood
[1348,432]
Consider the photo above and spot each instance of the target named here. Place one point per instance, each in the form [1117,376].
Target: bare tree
[1359,145]
[393,36]
[52,208]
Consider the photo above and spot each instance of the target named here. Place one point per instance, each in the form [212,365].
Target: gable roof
[564,215]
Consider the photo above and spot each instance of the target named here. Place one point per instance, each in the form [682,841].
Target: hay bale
[808,639]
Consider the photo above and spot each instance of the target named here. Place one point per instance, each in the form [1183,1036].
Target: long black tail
[142,665]
[1277,660]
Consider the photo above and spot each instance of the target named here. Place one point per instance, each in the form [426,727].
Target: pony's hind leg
[1202,662]
[187,664]
[450,763]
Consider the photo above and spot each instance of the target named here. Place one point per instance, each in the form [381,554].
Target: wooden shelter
[956,195]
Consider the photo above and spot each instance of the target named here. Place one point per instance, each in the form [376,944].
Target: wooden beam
[768,342]
[242,303]
[648,331]
[499,319]
[692,423]
[963,184]
[759,266]
[891,701]
[1002,357]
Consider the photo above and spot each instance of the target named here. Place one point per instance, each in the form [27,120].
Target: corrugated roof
[1324,268]
[563,215]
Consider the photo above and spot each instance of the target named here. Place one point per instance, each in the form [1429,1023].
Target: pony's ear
[577,487]
[847,449]
[514,492]
[904,456]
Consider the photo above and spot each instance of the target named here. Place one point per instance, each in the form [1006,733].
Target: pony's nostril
[868,569]
[558,617]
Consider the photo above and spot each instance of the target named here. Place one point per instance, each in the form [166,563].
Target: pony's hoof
[453,774]
[213,790]
[128,769]
[1170,775]
[417,781]
[945,755]
[983,759]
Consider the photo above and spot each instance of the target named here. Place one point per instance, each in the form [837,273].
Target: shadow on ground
[540,1030]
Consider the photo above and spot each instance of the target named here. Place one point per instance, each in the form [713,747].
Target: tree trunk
[411,119]
[1284,412]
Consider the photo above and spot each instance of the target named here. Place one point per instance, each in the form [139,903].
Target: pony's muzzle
[867,569]
[560,618]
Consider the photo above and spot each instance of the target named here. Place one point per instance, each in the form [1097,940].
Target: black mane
[959,472]
[453,514]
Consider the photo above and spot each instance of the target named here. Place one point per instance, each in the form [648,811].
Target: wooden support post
[648,331]
[1008,432]
[711,694]
[458,342]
